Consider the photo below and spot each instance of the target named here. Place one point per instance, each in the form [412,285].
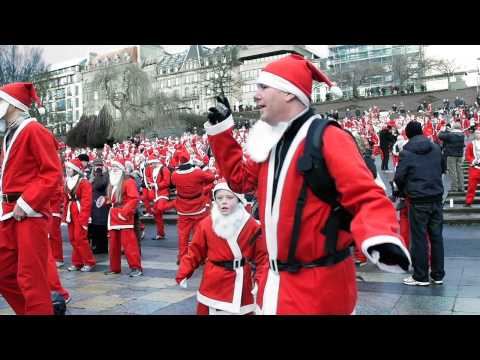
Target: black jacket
[419,171]
[99,213]
[453,142]
[387,139]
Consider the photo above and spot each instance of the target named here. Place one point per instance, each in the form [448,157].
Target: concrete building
[341,57]
[62,95]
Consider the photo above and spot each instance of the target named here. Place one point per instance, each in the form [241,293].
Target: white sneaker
[86,268]
[411,281]
[73,268]
[59,264]
[436,282]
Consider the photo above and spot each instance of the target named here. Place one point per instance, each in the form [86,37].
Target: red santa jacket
[161,181]
[221,288]
[77,203]
[190,183]
[147,176]
[318,290]
[30,166]
[56,200]
[469,154]
[121,215]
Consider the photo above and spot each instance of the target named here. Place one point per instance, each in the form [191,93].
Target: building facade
[342,57]
[62,95]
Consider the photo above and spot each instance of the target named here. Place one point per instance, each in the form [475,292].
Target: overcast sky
[464,55]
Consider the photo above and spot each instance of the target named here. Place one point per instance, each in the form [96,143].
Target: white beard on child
[262,138]
[226,226]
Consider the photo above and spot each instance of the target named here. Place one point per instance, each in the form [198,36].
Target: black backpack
[317,177]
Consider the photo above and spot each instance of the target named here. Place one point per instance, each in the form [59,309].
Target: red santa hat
[183,157]
[294,74]
[153,159]
[21,95]
[118,162]
[76,165]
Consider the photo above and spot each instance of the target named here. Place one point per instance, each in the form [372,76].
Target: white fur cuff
[218,128]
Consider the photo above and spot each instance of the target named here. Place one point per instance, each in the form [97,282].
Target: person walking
[453,150]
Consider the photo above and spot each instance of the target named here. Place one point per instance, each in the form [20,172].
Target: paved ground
[380,293]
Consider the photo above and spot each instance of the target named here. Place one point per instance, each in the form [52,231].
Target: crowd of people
[233,190]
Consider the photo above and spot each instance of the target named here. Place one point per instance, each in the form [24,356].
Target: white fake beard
[72,181]
[226,226]
[262,138]
[115,178]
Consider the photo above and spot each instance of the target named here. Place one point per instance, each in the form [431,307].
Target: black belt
[230,265]
[277,265]
[11,197]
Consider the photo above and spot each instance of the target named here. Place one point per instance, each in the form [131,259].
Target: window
[69,104]
[69,91]
[95,95]
[60,105]
[76,90]
[77,102]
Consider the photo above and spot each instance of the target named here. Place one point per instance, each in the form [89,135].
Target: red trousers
[126,239]
[56,242]
[186,227]
[473,180]
[23,266]
[53,278]
[405,226]
[81,252]
[158,208]
[147,197]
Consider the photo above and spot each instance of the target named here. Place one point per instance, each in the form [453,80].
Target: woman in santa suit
[227,240]
[77,209]
[123,196]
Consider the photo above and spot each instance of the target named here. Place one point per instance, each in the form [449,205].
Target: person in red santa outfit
[472,156]
[148,191]
[123,196]
[55,233]
[30,168]
[161,184]
[77,207]
[228,240]
[316,280]
[190,203]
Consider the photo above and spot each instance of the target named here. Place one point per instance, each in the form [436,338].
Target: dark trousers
[385,158]
[426,219]
[98,238]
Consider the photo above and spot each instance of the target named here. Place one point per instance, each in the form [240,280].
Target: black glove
[391,254]
[220,112]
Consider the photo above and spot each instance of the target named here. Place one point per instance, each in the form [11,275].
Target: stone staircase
[459,214]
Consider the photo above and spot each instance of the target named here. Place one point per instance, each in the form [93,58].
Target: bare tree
[405,67]
[447,67]
[355,74]
[222,79]
[126,89]
[20,64]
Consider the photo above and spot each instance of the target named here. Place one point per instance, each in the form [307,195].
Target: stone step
[459,218]
[456,193]
[459,199]
[460,208]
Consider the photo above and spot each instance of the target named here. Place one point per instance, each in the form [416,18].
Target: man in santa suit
[161,184]
[190,203]
[123,196]
[55,233]
[148,191]
[323,284]
[228,240]
[30,169]
[77,207]
[472,156]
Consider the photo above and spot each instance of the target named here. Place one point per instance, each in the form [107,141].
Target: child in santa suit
[77,210]
[228,240]
[123,196]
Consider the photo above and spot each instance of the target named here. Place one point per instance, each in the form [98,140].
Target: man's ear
[289,97]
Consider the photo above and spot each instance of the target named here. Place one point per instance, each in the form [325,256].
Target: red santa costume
[190,182]
[148,192]
[29,174]
[228,243]
[472,156]
[55,233]
[77,207]
[161,183]
[329,289]
[123,196]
